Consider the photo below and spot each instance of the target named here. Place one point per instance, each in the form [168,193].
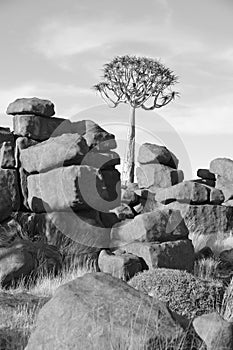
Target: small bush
[187,295]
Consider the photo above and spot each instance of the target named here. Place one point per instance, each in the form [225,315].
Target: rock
[205,219]
[38,128]
[171,255]
[121,265]
[214,331]
[76,187]
[112,180]
[206,174]
[102,161]
[23,258]
[129,196]
[95,302]
[159,225]
[152,153]
[226,257]
[123,212]
[64,150]
[207,182]
[34,105]
[228,203]
[222,167]
[157,175]
[204,253]
[6,135]
[7,155]
[225,186]
[9,199]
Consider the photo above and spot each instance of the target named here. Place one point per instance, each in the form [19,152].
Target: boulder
[225,186]
[64,150]
[6,135]
[98,310]
[101,160]
[228,203]
[157,226]
[34,105]
[205,182]
[129,196]
[152,153]
[112,180]
[171,255]
[74,187]
[9,199]
[222,167]
[204,253]
[7,155]
[206,174]
[158,175]
[226,257]
[24,258]
[119,264]
[123,212]
[216,332]
[36,127]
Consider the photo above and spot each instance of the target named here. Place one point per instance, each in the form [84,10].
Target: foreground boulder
[34,105]
[101,312]
[216,332]
[23,259]
[171,255]
[152,153]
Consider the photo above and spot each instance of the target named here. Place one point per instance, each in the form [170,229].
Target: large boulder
[76,187]
[225,186]
[158,175]
[189,192]
[7,155]
[152,153]
[64,150]
[23,258]
[216,332]
[98,311]
[222,167]
[171,255]
[34,105]
[10,198]
[157,226]
[120,264]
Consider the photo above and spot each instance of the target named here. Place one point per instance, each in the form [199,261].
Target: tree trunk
[129,162]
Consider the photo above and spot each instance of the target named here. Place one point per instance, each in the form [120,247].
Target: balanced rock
[172,255]
[158,175]
[9,199]
[216,332]
[159,225]
[84,310]
[119,264]
[34,105]
[76,187]
[205,174]
[222,167]
[152,153]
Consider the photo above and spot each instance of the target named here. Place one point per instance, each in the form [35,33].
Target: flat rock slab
[152,153]
[172,255]
[9,199]
[34,105]
[223,167]
[99,311]
[74,187]
[158,175]
[157,226]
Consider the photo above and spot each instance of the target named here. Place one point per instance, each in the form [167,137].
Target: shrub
[187,295]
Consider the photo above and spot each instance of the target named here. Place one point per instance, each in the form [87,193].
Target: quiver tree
[140,82]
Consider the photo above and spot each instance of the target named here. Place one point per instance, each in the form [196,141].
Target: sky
[56,50]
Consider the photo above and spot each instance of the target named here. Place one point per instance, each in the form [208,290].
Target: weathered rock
[9,199]
[7,155]
[226,256]
[6,135]
[159,225]
[123,212]
[204,253]
[225,186]
[100,160]
[206,174]
[34,105]
[23,258]
[205,182]
[228,203]
[64,150]
[205,219]
[152,153]
[157,175]
[112,180]
[216,332]
[120,265]
[76,187]
[222,167]
[95,302]
[171,255]
[36,127]
[129,196]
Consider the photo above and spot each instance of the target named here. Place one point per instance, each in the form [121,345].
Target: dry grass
[206,269]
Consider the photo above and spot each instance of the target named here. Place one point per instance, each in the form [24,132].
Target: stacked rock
[158,167]
[223,168]
[206,177]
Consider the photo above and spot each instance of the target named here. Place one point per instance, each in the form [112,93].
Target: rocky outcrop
[95,302]
[34,105]
[223,168]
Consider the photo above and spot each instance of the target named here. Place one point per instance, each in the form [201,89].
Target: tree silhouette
[140,82]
